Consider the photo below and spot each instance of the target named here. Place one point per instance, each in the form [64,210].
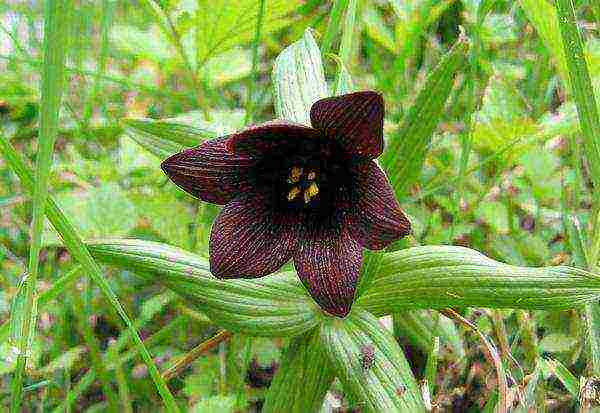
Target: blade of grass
[302,379]
[335,17]
[563,374]
[410,143]
[55,30]
[254,74]
[581,87]
[348,33]
[346,43]
[76,247]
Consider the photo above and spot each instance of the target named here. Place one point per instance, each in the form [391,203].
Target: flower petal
[210,171]
[355,120]
[248,240]
[377,219]
[259,139]
[328,263]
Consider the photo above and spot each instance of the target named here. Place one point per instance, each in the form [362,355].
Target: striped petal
[275,135]
[376,220]
[355,120]
[249,240]
[210,172]
[328,263]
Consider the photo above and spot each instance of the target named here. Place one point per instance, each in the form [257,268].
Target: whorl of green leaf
[275,305]
[302,379]
[370,364]
[448,276]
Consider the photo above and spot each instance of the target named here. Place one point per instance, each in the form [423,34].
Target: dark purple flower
[314,195]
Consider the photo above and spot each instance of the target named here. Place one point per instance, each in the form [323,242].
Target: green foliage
[304,377]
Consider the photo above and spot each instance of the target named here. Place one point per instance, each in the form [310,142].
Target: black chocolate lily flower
[311,194]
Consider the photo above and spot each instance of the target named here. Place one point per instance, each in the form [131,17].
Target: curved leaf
[302,379]
[370,363]
[164,138]
[275,305]
[298,80]
[447,276]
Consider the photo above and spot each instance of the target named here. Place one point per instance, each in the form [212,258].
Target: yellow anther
[294,192]
[306,197]
[310,192]
[295,175]
[312,175]
[296,172]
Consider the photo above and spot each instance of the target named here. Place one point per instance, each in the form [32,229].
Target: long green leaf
[581,85]
[302,379]
[583,92]
[164,138]
[370,363]
[276,305]
[563,374]
[77,248]
[55,31]
[334,24]
[405,153]
[298,80]
[448,276]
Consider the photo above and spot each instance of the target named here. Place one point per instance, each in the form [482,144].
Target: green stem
[55,29]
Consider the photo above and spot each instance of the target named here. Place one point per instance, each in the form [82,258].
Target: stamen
[310,192]
[294,192]
[306,197]
[296,172]
[295,175]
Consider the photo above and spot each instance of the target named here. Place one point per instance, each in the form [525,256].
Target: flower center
[302,184]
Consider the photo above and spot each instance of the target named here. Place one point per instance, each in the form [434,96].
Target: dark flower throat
[310,176]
